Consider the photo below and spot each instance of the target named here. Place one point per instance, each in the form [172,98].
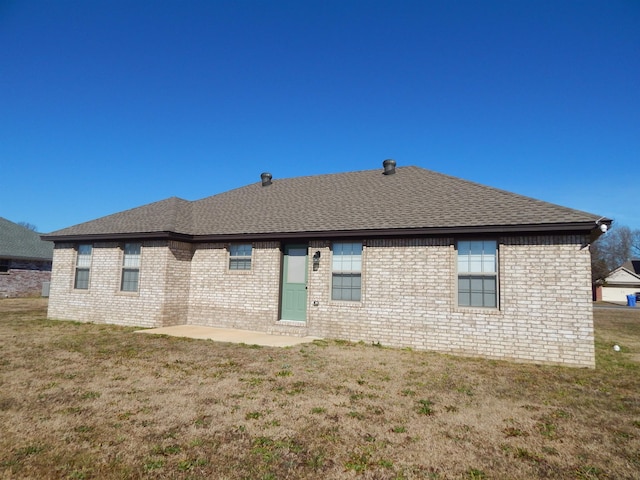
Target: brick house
[25,261]
[406,257]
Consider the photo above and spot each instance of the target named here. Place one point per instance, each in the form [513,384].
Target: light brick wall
[247,299]
[176,281]
[408,295]
[161,299]
[409,299]
[404,283]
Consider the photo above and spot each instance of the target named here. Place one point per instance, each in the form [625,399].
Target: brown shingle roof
[412,198]
[170,215]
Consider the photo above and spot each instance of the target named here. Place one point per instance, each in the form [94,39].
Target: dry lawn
[83,401]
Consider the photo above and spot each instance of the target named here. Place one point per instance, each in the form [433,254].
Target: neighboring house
[25,261]
[406,257]
[623,281]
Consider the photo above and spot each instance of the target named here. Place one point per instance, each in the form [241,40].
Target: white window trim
[360,272]
[495,275]
[239,258]
[78,267]
[123,267]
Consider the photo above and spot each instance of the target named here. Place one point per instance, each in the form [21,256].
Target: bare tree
[613,249]
[28,225]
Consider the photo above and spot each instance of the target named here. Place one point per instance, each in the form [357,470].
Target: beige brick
[408,295]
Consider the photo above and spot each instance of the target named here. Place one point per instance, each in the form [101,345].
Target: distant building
[25,261]
[623,281]
[406,257]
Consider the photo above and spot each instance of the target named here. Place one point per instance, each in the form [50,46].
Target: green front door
[294,283]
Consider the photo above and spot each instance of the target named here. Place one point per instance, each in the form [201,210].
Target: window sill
[478,310]
[127,294]
[346,303]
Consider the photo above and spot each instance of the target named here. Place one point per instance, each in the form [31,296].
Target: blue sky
[109,105]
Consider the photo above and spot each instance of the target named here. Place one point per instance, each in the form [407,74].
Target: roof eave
[585,228]
[110,237]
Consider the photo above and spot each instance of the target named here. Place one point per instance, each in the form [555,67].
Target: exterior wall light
[316,260]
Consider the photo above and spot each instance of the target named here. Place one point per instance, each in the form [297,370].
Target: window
[240,257]
[130,267]
[83,267]
[346,270]
[4,265]
[477,273]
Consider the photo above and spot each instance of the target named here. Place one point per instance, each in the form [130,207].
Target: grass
[85,401]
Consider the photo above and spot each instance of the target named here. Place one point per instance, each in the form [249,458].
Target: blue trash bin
[631,300]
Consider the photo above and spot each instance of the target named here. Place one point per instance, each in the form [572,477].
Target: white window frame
[131,260]
[84,257]
[477,265]
[239,261]
[346,270]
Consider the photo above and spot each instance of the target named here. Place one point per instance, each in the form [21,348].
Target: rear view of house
[25,261]
[402,256]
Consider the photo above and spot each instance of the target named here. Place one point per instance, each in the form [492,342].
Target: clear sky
[107,105]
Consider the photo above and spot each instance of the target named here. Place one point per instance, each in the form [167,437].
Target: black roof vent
[389,166]
[266,178]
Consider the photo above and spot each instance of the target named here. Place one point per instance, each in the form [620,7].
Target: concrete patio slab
[230,335]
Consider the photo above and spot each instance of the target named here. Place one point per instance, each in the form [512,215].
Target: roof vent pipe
[266,179]
[389,166]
